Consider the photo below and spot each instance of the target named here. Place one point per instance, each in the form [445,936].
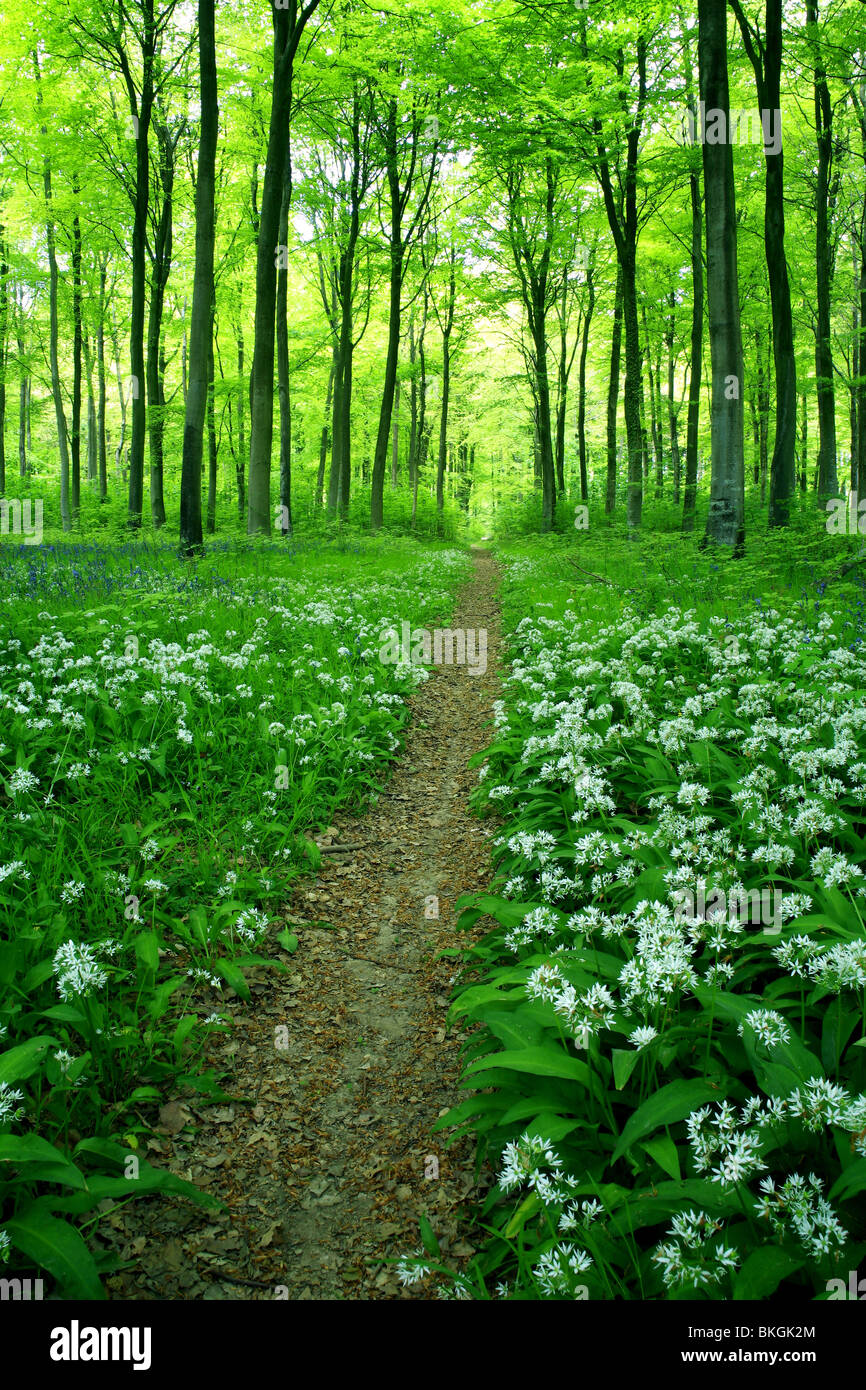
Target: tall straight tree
[401,177]
[445,318]
[127,36]
[725,521]
[530,212]
[765,55]
[623,221]
[824,266]
[54,325]
[696,351]
[290,21]
[201,325]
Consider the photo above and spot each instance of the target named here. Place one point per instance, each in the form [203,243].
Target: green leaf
[428,1238]
[183,1030]
[853,1180]
[673,1102]
[56,1246]
[664,1151]
[764,1271]
[147,950]
[527,1208]
[22,1061]
[288,941]
[536,1061]
[514,1029]
[29,1149]
[233,976]
[624,1062]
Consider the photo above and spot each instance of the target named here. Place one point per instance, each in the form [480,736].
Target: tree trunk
[395,441]
[160,269]
[326,435]
[23,378]
[240,469]
[4,352]
[283,354]
[827,480]
[210,414]
[53,329]
[673,433]
[289,24]
[696,346]
[613,396]
[766,60]
[75,439]
[100,377]
[726,519]
[381,451]
[581,390]
[201,336]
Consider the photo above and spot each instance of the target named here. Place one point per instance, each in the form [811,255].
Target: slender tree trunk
[240,471]
[696,346]
[22,406]
[673,432]
[395,441]
[121,394]
[283,355]
[100,377]
[4,351]
[141,107]
[75,439]
[210,415]
[804,442]
[766,60]
[858,459]
[201,336]
[91,409]
[289,24]
[726,519]
[384,434]
[160,269]
[53,330]
[827,480]
[443,422]
[562,387]
[655,423]
[613,396]
[326,436]
[581,389]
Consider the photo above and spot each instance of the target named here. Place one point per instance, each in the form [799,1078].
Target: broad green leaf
[30,1149]
[673,1102]
[763,1272]
[233,976]
[624,1062]
[664,1151]
[536,1061]
[22,1061]
[56,1246]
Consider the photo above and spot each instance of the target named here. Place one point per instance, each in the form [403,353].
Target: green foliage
[665,1046]
[173,737]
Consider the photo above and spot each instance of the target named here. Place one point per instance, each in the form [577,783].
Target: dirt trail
[328,1163]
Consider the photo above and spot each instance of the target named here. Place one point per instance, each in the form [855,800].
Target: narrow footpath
[342,1065]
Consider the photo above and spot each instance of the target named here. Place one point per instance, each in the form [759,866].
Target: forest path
[326,1159]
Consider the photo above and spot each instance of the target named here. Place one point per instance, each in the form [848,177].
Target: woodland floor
[325,1159]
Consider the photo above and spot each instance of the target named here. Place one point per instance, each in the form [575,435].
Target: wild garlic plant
[673,997]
